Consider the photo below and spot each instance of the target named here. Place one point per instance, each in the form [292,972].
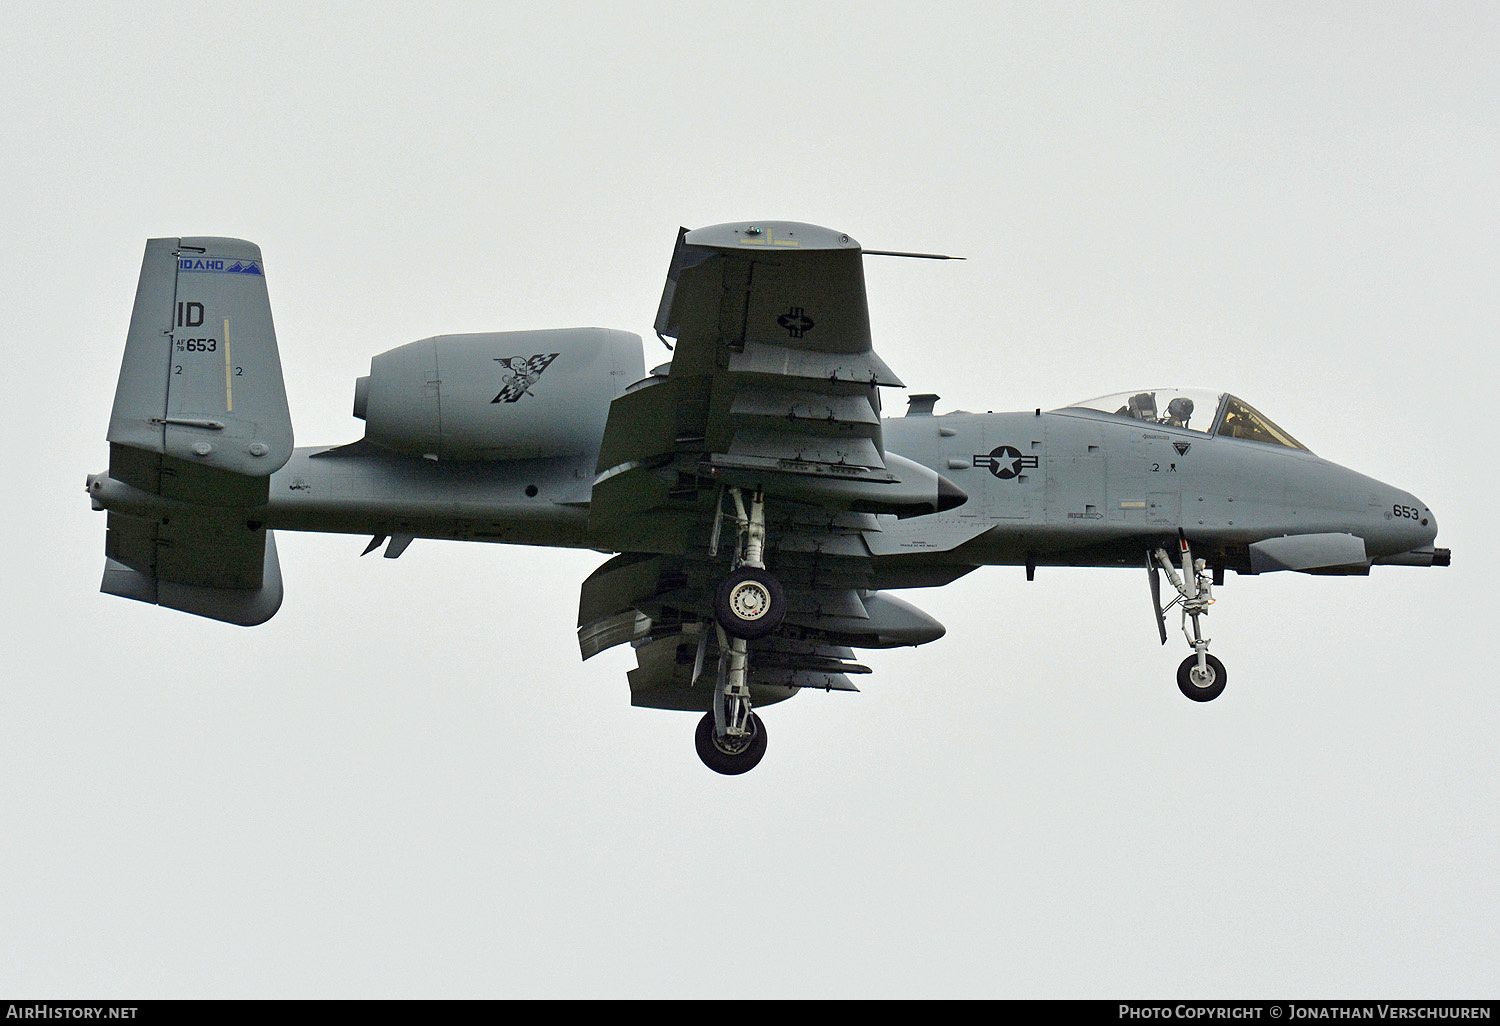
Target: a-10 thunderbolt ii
[761,509]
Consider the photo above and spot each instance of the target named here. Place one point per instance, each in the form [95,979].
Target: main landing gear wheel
[730,755]
[749,604]
[1202,685]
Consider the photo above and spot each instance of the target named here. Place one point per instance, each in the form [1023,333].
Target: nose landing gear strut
[1201,676]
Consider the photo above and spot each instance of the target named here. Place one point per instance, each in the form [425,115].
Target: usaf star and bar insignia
[1005,461]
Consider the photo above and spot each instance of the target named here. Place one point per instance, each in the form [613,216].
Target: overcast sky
[407,784]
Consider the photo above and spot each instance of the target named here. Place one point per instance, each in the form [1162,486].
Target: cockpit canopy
[1194,409]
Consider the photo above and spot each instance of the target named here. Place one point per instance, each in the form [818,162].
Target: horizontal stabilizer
[245,606]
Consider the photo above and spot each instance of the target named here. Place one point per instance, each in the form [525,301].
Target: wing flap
[663,677]
[764,442]
[645,423]
[796,680]
[620,584]
[817,409]
[773,360]
[811,604]
[606,632]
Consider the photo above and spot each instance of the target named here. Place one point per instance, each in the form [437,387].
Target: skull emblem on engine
[521,372]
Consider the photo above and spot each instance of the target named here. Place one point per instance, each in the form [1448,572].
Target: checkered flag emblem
[521,372]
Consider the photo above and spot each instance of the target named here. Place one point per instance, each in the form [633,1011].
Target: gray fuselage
[1071,487]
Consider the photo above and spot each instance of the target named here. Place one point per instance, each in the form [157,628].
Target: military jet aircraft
[760,508]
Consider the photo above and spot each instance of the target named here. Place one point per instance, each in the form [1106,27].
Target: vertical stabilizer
[201,378]
[199,425]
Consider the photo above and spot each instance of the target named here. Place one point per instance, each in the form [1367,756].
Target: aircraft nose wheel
[1203,685]
[749,604]
[730,755]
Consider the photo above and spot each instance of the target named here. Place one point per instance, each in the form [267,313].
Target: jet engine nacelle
[502,395]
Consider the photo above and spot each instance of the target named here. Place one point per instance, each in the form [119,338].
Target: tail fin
[200,423]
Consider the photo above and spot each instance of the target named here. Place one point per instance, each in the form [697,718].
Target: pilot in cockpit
[1143,407]
[1178,412]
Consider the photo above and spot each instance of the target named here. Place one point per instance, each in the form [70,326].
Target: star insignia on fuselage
[1004,461]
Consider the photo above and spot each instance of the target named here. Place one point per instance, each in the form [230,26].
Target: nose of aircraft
[1397,527]
[1409,522]
[1411,519]
[1429,525]
[1406,529]
[1425,524]
[1430,522]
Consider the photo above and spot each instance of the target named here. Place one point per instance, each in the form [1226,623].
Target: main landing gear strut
[749,604]
[1201,676]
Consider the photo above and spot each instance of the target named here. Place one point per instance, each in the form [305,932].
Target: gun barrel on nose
[1428,556]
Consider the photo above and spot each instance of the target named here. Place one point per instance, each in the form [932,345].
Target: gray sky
[407,784]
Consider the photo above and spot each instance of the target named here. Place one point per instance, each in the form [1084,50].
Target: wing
[773,390]
[773,385]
